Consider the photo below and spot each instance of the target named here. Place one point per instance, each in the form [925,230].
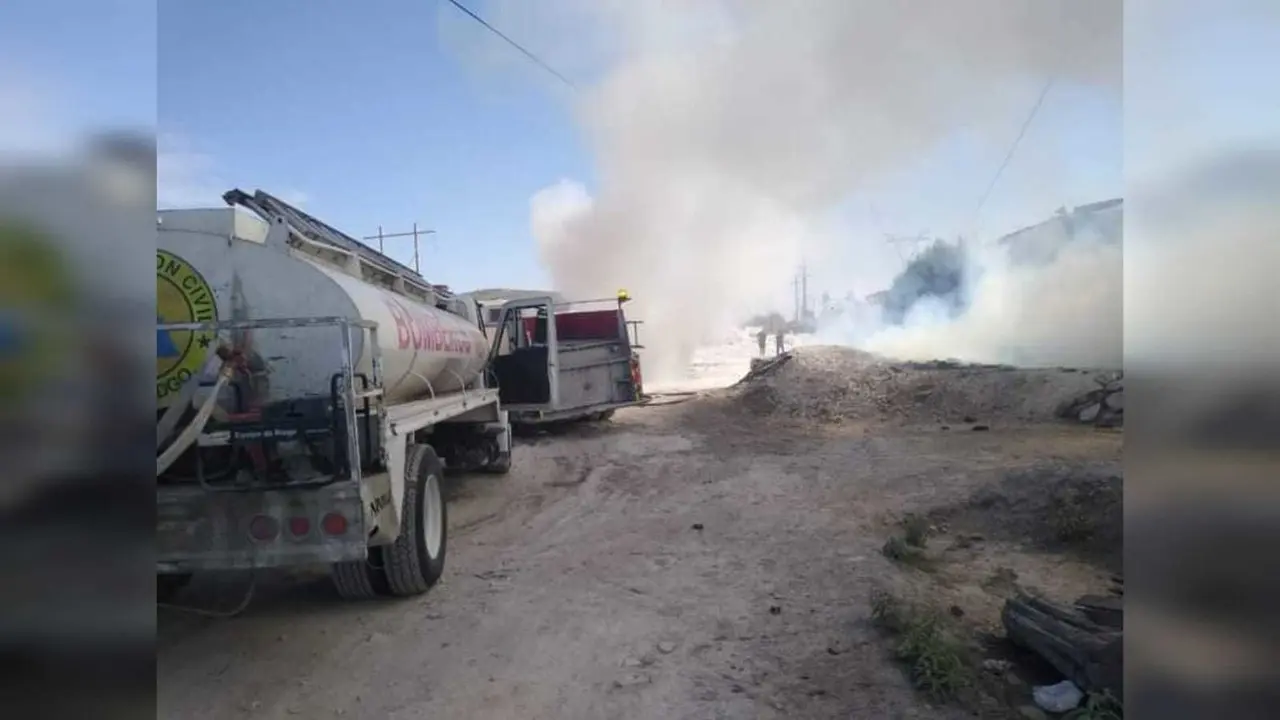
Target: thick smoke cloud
[723,137]
[1050,294]
[937,273]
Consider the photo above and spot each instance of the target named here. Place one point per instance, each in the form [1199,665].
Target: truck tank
[227,264]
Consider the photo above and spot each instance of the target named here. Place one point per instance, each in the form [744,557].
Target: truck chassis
[375,513]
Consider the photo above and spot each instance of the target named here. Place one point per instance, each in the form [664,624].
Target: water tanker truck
[311,392]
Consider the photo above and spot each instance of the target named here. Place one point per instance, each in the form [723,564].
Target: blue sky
[360,109]
[357,108]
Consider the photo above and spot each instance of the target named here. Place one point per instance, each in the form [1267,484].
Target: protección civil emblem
[182,296]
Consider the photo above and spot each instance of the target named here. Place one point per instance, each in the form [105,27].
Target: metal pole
[804,290]
[415,249]
[380,239]
[795,293]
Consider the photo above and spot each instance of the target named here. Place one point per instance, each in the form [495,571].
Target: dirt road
[676,563]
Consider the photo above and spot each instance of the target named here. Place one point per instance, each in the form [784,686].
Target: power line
[1014,147]
[464,9]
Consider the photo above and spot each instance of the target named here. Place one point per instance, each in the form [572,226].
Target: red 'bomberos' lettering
[422,331]
[401,318]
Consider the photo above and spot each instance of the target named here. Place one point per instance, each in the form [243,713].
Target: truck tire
[359,579]
[415,561]
[501,466]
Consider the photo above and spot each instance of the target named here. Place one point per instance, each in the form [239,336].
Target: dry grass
[938,662]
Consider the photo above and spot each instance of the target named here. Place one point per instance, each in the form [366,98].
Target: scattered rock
[631,680]
[1115,400]
[1060,698]
[1090,413]
[969,419]
[775,610]
[956,611]
[980,428]
[697,526]
[666,647]
[996,666]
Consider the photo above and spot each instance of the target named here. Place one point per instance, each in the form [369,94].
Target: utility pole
[381,237]
[915,241]
[795,298]
[804,292]
[800,294]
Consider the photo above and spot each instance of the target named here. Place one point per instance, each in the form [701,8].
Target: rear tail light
[299,526]
[636,378]
[263,528]
[334,524]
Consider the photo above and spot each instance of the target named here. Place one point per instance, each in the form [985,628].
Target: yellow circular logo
[182,296]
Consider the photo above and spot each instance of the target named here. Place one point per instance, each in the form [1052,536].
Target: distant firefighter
[780,341]
[762,338]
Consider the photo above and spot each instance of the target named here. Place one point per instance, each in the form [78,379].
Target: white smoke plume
[1068,312]
[723,137]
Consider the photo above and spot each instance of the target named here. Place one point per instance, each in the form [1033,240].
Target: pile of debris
[825,384]
[1084,642]
[831,384]
[1101,407]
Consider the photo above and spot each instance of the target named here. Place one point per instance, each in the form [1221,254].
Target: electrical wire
[537,60]
[1014,147]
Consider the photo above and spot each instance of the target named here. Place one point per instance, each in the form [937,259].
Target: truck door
[525,356]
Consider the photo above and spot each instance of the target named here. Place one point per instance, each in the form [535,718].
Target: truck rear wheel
[415,561]
[359,579]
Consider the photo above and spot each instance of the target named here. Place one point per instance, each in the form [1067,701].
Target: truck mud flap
[198,530]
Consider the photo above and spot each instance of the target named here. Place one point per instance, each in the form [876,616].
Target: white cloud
[187,176]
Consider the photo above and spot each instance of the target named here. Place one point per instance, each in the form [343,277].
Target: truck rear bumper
[537,417]
[201,530]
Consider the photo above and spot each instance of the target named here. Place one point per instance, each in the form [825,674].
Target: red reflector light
[264,527]
[334,524]
[299,526]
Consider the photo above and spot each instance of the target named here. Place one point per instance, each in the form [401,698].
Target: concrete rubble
[1102,406]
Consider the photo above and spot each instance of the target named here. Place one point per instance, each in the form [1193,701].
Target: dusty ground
[685,561]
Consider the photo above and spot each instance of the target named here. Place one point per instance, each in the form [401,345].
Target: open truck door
[527,364]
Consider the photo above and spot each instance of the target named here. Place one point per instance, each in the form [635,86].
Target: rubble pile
[826,384]
[831,384]
[1102,407]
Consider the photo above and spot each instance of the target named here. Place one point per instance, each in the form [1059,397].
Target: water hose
[169,421]
[193,430]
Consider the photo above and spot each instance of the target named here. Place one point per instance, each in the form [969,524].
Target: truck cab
[563,361]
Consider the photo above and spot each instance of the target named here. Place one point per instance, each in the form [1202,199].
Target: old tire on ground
[415,561]
[360,579]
